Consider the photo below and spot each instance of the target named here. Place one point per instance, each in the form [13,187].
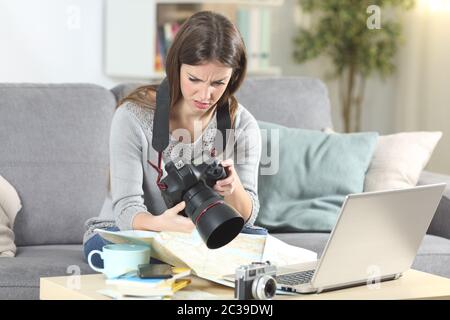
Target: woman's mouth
[201,106]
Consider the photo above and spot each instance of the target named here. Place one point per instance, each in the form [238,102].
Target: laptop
[375,238]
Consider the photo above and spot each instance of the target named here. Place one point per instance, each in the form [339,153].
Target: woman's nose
[205,93]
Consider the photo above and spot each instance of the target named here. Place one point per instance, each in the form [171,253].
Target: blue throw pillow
[316,170]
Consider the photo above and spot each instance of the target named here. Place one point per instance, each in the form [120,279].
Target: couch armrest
[440,225]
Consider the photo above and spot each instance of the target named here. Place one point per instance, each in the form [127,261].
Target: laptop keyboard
[296,278]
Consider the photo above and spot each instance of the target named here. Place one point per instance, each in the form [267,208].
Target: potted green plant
[345,32]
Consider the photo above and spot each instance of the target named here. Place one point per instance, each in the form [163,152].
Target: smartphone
[155,271]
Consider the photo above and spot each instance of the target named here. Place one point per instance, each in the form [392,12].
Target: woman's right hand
[170,220]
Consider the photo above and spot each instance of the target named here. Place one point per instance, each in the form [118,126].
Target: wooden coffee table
[412,285]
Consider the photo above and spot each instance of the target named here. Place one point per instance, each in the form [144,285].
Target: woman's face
[203,85]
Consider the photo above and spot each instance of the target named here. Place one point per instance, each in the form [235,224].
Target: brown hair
[205,37]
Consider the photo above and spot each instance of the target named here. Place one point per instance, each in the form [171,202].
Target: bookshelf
[129,23]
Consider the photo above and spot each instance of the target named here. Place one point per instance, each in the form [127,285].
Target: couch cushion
[122,90]
[299,102]
[433,255]
[399,159]
[9,207]
[327,167]
[19,276]
[311,241]
[54,150]
[440,225]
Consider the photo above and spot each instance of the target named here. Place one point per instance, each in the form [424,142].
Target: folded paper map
[189,250]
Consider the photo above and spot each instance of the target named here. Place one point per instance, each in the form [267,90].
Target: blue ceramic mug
[119,259]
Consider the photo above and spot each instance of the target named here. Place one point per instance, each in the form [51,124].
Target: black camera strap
[160,139]
[223,123]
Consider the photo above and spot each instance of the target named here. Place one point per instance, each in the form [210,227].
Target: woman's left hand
[226,187]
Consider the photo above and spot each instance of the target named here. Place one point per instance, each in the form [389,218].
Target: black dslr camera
[217,223]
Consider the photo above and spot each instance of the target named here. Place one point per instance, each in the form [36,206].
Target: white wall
[52,41]
[62,41]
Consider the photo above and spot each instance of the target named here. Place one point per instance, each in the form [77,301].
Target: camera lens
[220,225]
[217,223]
[271,288]
[264,288]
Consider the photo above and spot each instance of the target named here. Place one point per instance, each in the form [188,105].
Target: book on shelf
[254,24]
[160,50]
[264,53]
[254,48]
[158,56]
[164,39]
[242,25]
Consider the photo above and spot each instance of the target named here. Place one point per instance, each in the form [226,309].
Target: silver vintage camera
[255,281]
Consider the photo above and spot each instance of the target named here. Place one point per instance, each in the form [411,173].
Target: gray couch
[54,150]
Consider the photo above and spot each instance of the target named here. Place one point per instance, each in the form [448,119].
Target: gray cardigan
[133,180]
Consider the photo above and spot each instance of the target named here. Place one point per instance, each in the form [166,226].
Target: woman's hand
[227,186]
[170,220]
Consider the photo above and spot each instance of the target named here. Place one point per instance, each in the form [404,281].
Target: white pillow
[399,159]
[9,207]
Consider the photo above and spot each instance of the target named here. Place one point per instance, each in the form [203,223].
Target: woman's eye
[214,84]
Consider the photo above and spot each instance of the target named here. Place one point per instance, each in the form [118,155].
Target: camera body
[216,222]
[255,281]
[182,177]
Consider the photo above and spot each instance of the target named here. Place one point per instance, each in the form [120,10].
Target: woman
[205,66]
